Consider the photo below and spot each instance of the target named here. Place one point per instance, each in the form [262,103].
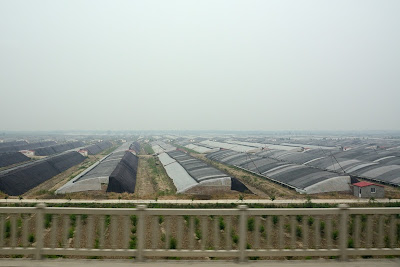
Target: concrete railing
[240,233]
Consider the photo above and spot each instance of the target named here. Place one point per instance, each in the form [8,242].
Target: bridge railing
[240,233]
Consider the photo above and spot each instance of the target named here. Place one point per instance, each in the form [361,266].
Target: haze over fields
[199,65]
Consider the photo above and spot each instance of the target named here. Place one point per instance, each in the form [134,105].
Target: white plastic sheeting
[157,149]
[261,145]
[79,183]
[200,149]
[308,146]
[339,183]
[234,147]
[182,180]
[161,146]
[224,181]
[123,147]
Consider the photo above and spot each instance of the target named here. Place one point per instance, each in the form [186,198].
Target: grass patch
[148,149]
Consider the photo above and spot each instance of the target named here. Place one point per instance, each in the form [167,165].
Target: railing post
[242,232]
[140,232]
[343,231]
[39,230]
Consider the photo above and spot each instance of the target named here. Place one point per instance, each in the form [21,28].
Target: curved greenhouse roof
[363,162]
[188,172]
[120,164]
[299,177]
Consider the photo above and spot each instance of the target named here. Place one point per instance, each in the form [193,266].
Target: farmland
[190,167]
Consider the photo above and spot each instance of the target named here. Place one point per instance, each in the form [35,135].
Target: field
[153,183]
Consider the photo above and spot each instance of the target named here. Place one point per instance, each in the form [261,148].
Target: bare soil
[145,188]
[152,181]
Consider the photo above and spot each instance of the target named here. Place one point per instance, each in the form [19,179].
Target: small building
[368,190]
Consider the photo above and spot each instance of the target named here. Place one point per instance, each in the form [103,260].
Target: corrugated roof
[364,184]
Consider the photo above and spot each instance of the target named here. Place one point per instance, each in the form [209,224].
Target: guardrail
[240,233]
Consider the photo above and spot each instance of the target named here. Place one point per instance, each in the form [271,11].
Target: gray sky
[199,65]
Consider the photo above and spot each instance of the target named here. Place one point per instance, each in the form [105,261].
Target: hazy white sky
[199,65]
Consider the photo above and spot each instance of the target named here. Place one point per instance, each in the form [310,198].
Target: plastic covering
[238,186]
[196,168]
[200,149]
[105,167]
[181,179]
[299,177]
[123,178]
[21,180]
[135,147]
[54,149]
[161,146]
[7,159]
[98,147]
[12,143]
[119,167]
[23,145]
[235,147]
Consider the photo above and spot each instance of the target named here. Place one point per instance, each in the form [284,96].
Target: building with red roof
[367,190]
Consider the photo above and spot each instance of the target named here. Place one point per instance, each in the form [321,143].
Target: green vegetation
[96,243]
[299,231]
[196,222]
[172,243]
[335,235]
[108,220]
[186,218]
[134,220]
[31,238]
[250,224]
[198,234]
[322,227]
[8,229]
[71,232]
[158,172]
[72,219]
[235,237]
[152,165]
[221,223]
[147,148]
[275,219]
[350,243]
[47,220]
[132,243]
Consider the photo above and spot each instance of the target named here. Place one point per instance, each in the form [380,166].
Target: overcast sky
[199,65]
